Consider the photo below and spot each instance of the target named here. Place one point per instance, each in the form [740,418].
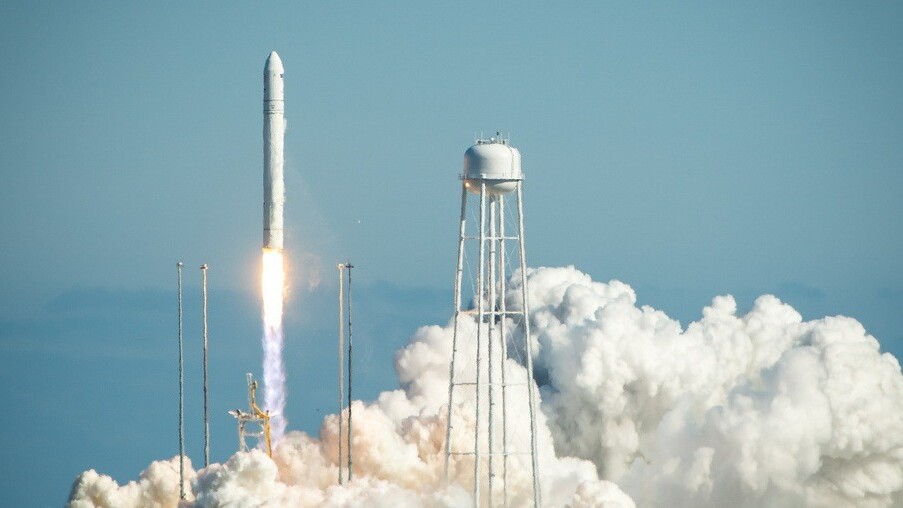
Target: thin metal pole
[504,340]
[480,314]
[349,266]
[489,342]
[451,366]
[341,267]
[179,266]
[529,348]
[206,412]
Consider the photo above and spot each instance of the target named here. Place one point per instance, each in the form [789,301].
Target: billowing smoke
[760,409]
[157,486]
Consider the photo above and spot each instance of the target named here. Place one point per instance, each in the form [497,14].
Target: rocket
[273,158]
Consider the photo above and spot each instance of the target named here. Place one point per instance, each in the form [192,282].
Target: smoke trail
[273,289]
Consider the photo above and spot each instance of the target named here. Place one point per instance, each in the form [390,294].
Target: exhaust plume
[273,289]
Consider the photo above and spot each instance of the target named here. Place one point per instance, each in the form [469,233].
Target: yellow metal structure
[254,416]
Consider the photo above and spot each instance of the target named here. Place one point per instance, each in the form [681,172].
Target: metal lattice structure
[255,423]
[492,172]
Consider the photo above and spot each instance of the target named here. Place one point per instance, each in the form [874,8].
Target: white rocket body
[273,157]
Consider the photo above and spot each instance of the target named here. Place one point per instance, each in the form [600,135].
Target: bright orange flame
[273,287]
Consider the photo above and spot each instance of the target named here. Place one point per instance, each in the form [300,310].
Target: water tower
[491,334]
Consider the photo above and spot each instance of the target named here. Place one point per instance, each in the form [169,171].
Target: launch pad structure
[247,420]
[492,171]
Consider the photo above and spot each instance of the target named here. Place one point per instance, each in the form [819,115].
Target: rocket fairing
[273,158]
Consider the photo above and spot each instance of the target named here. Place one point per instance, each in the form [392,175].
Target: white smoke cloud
[157,486]
[760,409]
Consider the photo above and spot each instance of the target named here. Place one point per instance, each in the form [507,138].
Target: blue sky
[688,149]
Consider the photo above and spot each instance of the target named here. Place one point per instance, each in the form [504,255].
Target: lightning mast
[349,266]
[342,303]
[179,266]
[204,333]
[341,457]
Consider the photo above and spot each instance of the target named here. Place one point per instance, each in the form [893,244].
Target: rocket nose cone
[273,62]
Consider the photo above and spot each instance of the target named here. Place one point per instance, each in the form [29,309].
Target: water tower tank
[494,162]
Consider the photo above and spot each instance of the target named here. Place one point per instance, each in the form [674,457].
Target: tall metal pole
[341,267]
[204,320]
[480,313]
[349,266]
[181,395]
[451,366]
[503,313]
[529,348]
[489,343]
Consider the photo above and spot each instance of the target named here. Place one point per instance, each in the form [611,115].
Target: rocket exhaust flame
[273,290]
